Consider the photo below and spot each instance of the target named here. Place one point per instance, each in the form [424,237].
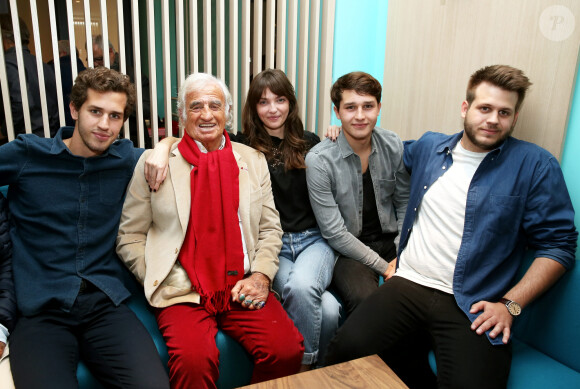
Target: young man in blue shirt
[478,199]
[65,196]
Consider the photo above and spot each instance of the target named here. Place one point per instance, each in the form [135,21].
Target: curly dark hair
[103,80]
[293,146]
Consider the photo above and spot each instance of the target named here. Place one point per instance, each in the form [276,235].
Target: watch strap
[511,304]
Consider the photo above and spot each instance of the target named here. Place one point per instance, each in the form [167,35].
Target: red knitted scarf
[212,252]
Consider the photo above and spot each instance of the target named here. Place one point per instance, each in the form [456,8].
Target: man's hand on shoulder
[157,163]
[2,347]
[332,132]
[495,316]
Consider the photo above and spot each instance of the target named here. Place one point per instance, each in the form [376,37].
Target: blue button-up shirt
[65,212]
[517,199]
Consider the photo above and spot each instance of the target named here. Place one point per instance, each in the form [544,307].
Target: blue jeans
[331,318]
[306,264]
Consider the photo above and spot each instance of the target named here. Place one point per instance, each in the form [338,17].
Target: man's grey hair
[98,41]
[198,81]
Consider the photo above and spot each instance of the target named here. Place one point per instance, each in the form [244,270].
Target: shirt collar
[345,148]
[58,145]
[343,145]
[204,150]
[449,144]
[503,147]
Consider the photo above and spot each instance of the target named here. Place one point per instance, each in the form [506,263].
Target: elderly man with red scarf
[205,246]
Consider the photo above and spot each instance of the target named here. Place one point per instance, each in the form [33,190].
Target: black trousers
[354,281]
[401,308]
[45,349]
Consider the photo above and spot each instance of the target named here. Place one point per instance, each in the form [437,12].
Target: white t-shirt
[431,252]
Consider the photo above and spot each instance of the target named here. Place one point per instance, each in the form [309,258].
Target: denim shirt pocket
[504,214]
[386,189]
[112,187]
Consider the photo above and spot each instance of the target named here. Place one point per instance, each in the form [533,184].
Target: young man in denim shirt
[479,198]
[358,188]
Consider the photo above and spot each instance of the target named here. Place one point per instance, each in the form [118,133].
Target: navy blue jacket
[7,297]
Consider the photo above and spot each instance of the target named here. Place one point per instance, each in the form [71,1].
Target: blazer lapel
[180,171]
[244,183]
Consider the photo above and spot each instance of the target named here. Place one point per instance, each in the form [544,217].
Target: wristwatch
[513,308]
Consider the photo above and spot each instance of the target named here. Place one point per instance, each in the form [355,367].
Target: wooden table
[367,372]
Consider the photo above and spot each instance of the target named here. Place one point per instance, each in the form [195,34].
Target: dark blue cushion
[235,363]
[532,369]
[551,324]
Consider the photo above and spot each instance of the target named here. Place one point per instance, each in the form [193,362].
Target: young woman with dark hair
[271,124]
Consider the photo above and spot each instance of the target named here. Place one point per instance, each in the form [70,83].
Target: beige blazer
[153,225]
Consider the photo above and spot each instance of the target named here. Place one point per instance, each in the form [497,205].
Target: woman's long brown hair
[293,146]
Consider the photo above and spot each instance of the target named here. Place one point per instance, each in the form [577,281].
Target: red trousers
[267,334]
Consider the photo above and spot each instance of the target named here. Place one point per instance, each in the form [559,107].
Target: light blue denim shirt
[335,187]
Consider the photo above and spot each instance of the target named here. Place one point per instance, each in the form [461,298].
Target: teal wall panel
[571,154]
[360,33]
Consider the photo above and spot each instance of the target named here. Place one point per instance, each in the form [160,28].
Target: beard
[470,131]
[89,142]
